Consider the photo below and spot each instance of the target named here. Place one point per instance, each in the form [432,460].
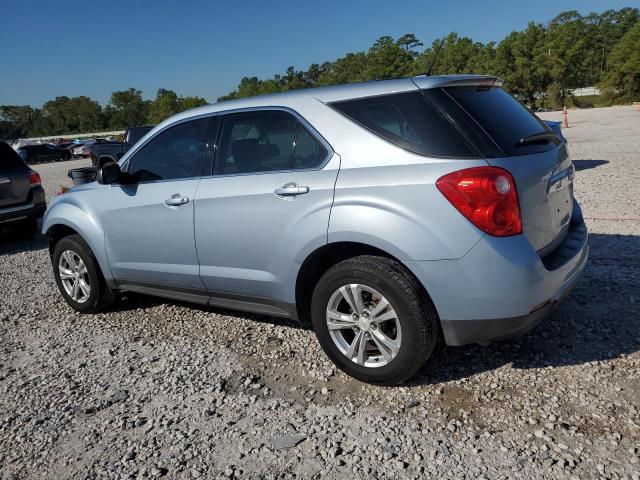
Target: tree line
[65,115]
[540,65]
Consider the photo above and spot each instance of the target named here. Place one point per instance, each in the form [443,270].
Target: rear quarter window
[409,121]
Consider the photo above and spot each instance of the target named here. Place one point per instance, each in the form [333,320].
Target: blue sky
[200,47]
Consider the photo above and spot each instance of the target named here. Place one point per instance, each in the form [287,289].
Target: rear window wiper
[542,137]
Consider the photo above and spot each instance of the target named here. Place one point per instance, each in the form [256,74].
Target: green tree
[127,109]
[622,82]
[347,69]
[66,115]
[390,59]
[185,103]
[168,103]
[164,105]
[458,55]
[523,62]
[17,120]
[567,39]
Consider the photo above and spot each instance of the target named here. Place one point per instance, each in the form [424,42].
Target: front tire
[374,320]
[79,277]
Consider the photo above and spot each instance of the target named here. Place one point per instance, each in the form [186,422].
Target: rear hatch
[14,178]
[511,137]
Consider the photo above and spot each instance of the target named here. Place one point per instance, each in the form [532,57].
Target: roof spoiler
[425,82]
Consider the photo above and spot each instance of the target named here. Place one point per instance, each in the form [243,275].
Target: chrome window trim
[303,121]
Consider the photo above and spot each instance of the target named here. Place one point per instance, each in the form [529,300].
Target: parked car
[44,152]
[83,150]
[87,148]
[385,212]
[22,199]
[113,151]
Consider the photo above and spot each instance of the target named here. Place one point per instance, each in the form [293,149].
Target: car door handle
[176,200]
[291,189]
[4,180]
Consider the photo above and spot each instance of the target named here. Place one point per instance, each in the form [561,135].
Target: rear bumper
[501,287]
[33,209]
[30,210]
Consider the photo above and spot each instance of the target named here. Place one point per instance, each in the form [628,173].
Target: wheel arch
[57,232]
[65,218]
[323,258]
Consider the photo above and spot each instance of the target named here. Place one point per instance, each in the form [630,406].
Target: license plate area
[560,195]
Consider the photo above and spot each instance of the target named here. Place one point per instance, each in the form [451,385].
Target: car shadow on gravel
[598,321]
[587,164]
[10,245]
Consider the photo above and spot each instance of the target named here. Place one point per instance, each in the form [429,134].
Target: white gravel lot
[160,389]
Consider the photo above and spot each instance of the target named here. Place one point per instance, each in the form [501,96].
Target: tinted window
[308,152]
[178,152]
[256,142]
[502,117]
[409,121]
[9,159]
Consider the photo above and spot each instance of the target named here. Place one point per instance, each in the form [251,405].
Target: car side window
[308,152]
[177,152]
[254,142]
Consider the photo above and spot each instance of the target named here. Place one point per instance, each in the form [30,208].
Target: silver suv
[387,213]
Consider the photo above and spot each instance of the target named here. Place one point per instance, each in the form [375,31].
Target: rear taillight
[34,179]
[487,197]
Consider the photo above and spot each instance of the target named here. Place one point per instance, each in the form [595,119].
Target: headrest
[269,150]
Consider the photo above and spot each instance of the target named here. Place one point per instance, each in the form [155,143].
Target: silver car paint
[148,241]
[253,242]
[247,240]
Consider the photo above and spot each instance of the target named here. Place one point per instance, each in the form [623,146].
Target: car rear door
[265,206]
[14,178]
[148,221]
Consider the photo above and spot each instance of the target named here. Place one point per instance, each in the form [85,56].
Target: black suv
[22,198]
[43,153]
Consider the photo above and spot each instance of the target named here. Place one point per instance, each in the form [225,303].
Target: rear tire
[79,266]
[398,338]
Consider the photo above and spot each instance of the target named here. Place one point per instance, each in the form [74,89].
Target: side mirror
[108,173]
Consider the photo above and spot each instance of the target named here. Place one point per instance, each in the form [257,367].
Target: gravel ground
[161,389]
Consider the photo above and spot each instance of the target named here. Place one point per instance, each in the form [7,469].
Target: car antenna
[433,62]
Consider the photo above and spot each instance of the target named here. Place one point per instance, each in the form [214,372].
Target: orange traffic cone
[565,118]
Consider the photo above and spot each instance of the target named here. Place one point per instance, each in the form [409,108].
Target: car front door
[148,219]
[266,205]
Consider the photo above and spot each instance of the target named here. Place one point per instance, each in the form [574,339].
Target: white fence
[71,135]
[584,91]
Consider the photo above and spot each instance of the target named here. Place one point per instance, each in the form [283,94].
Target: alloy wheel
[74,276]
[363,325]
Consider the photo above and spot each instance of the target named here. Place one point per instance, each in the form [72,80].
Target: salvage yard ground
[155,388]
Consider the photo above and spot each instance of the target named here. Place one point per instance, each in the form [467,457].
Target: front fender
[73,212]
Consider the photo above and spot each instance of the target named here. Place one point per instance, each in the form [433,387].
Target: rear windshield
[9,159]
[502,117]
[452,122]
[409,121]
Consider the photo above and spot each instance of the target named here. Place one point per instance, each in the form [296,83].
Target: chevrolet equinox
[387,213]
